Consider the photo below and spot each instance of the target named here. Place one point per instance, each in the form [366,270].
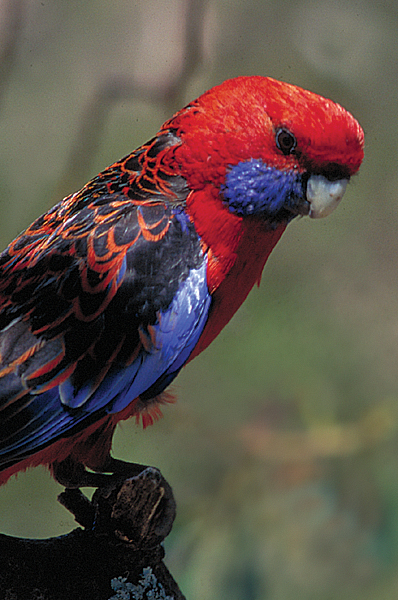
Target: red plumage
[109,294]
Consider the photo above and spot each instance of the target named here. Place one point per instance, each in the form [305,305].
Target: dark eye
[285,141]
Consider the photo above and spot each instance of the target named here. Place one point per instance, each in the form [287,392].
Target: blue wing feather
[159,308]
[177,332]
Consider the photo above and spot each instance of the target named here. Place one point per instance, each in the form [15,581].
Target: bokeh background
[283,446]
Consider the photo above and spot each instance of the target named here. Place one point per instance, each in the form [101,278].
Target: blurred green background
[283,446]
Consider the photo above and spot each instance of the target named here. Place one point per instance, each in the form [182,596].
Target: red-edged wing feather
[81,291]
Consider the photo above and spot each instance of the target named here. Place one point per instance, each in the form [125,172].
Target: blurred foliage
[283,446]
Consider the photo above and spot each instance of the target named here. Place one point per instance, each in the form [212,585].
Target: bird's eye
[285,141]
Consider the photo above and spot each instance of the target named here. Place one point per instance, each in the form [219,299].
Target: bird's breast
[246,266]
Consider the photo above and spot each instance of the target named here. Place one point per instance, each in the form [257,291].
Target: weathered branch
[118,553]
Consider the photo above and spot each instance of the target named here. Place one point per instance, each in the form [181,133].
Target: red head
[256,152]
[240,119]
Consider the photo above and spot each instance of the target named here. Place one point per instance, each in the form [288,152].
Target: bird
[105,297]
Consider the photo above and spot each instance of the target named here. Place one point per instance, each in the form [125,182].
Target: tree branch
[118,555]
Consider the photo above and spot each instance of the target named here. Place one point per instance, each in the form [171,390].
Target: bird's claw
[133,501]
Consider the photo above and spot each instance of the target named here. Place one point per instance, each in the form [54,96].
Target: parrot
[105,297]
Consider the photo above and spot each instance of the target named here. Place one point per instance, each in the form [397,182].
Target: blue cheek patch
[253,188]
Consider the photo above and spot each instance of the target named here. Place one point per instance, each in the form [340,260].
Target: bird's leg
[72,474]
[122,467]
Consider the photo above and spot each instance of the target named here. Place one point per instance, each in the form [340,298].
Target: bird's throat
[231,277]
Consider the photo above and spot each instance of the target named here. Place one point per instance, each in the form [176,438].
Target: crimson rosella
[106,296]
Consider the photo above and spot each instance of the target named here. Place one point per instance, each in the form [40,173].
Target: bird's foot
[72,474]
[132,501]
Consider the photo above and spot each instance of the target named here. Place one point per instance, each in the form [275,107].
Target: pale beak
[324,195]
